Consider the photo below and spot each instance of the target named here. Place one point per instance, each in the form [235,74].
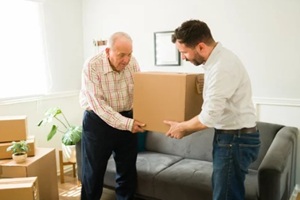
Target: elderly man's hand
[137,127]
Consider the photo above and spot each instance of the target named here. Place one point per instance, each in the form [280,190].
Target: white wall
[64,43]
[264,34]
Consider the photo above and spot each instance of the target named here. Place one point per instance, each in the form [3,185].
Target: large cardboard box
[162,96]
[13,128]
[8,154]
[19,188]
[42,165]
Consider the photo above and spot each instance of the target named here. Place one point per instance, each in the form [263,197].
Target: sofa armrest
[278,166]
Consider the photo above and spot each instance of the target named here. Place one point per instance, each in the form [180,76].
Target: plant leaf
[18,147]
[72,136]
[49,115]
[52,132]
[53,112]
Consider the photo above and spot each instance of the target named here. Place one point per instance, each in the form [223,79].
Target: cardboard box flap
[11,183]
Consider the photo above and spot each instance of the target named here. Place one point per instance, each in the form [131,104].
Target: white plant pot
[19,158]
[69,153]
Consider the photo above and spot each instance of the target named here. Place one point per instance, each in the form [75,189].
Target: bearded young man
[227,107]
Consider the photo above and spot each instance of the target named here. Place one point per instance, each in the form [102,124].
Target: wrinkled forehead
[125,48]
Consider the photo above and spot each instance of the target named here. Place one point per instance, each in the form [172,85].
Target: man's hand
[179,130]
[137,127]
[176,131]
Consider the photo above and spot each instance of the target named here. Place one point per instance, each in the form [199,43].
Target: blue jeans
[232,155]
[99,141]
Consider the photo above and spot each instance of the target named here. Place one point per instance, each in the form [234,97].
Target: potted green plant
[19,150]
[71,134]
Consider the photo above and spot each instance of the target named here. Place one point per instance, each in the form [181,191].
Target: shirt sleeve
[219,87]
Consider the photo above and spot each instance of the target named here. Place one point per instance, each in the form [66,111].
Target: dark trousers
[99,141]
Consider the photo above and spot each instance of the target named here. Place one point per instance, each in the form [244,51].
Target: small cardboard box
[162,96]
[7,154]
[42,165]
[13,128]
[19,188]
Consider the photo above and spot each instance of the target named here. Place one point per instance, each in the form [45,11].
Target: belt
[127,113]
[90,111]
[236,131]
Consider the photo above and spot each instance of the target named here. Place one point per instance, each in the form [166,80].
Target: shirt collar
[106,65]
[212,55]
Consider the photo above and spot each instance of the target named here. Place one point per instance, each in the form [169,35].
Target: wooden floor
[70,189]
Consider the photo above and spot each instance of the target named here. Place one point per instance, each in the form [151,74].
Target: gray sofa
[171,169]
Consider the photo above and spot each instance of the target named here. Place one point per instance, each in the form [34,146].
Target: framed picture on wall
[165,51]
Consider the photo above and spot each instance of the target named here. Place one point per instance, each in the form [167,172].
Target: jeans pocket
[223,145]
[248,149]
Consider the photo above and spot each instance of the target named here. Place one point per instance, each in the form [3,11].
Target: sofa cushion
[196,146]
[148,164]
[181,181]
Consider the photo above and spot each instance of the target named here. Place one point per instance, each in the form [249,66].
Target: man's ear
[200,47]
[107,50]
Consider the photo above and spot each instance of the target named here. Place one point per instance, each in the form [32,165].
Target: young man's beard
[198,60]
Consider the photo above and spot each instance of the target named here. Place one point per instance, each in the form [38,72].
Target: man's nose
[126,59]
[182,57]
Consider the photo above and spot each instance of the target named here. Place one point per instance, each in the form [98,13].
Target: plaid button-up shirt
[108,92]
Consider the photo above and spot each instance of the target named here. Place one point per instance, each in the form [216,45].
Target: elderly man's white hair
[115,36]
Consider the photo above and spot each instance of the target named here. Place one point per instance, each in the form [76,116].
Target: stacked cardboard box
[162,96]
[42,166]
[19,188]
[14,128]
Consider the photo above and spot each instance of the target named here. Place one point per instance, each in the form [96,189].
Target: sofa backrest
[195,146]
[199,144]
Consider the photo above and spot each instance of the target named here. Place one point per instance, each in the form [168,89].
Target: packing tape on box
[199,84]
